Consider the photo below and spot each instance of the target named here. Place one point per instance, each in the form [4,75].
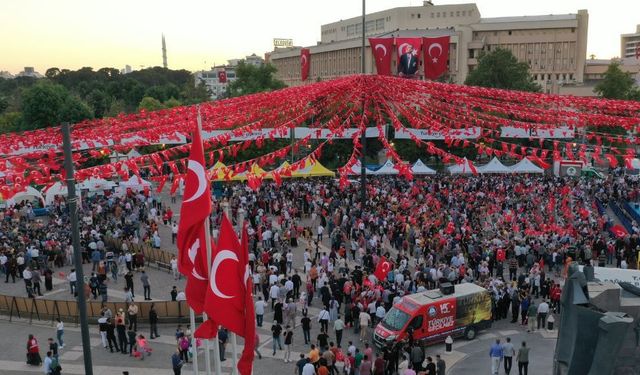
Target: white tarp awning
[421,168]
[525,166]
[494,166]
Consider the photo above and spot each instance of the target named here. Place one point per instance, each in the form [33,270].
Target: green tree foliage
[251,79]
[99,101]
[47,104]
[4,104]
[500,69]
[150,104]
[172,102]
[617,84]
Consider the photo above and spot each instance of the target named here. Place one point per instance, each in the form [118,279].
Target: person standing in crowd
[338,327]
[33,352]
[121,329]
[153,322]
[365,319]
[223,337]
[543,311]
[276,330]
[288,342]
[176,362]
[523,359]
[306,328]
[441,366]
[260,305]
[431,367]
[132,311]
[60,333]
[144,279]
[508,353]
[496,355]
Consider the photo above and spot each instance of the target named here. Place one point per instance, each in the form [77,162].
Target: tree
[99,101]
[193,94]
[48,104]
[172,102]
[500,69]
[4,104]
[150,104]
[617,84]
[52,73]
[251,79]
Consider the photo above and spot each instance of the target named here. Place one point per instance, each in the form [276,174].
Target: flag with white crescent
[382,49]
[383,268]
[436,56]
[225,296]
[305,63]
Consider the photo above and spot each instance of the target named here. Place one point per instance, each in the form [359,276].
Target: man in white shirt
[508,352]
[174,268]
[260,305]
[308,369]
[181,296]
[320,232]
[273,293]
[71,278]
[365,320]
[543,310]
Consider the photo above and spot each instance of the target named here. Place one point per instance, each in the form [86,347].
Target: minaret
[164,53]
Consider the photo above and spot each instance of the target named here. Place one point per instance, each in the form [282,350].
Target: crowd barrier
[67,311]
[50,310]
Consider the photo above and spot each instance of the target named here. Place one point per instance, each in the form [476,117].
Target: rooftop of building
[539,18]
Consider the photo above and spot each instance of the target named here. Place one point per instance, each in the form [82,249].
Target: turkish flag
[225,295]
[408,55]
[196,207]
[245,363]
[305,62]
[436,56]
[383,268]
[618,230]
[382,49]
[222,76]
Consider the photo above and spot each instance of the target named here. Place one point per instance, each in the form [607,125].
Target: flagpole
[207,241]
[194,342]
[234,337]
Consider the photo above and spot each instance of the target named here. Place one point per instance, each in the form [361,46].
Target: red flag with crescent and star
[382,49]
[305,63]
[436,56]
[245,364]
[196,207]
[222,76]
[225,294]
[383,268]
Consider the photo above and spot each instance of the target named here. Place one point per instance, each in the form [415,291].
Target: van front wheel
[470,333]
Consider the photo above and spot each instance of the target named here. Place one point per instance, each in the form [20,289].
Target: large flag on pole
[196,207]
[228,301]
[382,49]
[436,56]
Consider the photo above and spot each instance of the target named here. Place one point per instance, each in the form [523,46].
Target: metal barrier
[50,310]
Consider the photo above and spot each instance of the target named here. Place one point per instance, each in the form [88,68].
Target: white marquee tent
[56,189]
[465,168]
[96,184]
[28,194]
[357,168]
[494,166]
[421,168]
[134,183]
[526,166]
[386,169]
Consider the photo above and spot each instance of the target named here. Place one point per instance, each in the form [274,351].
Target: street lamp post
[77,252]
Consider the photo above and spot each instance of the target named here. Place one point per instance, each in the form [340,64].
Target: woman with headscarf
[33,352]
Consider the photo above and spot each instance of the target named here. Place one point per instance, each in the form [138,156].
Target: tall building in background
[630,44]
[164,53]
[554,46]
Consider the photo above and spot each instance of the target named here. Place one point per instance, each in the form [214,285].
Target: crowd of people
[513,235]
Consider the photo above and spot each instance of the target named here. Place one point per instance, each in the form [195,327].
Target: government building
[554,46]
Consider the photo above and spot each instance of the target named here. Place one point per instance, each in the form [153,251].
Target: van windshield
[395,319]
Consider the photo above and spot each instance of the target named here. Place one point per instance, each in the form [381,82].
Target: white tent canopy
[421,168]
[494,166]
[386,169]
[526,166]
[135,183]
[28,194]
[465,168]
[356,169]
[56,189]
[96,184]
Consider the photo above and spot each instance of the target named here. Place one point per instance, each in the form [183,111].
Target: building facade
[554,46]
[629,43]
[211,78]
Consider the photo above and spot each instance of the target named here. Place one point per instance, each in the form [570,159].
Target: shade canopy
[96,184]
[388,168]
[526,166]
[494,166]
[419,168]
[56,189]
[466,167]
[313,168]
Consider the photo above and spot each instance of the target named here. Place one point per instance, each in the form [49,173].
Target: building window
[573,29]
[444,14]
[451,14]
[432,16]
[418,15]
[509,32]
[464,13]
[380,24]
[438,15]
[457,13]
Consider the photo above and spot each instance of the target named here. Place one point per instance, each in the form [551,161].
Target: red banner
[305,62]
[222,76]
[441,316]
[382,48]
[408,52]
[436,56]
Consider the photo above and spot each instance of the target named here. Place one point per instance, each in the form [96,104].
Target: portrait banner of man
[408,56]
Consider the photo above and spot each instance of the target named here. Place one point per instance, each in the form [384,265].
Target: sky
[75,33]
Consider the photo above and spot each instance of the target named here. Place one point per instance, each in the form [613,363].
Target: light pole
[77,252]
[363,141]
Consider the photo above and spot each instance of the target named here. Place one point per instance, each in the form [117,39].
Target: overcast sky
[76,33]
